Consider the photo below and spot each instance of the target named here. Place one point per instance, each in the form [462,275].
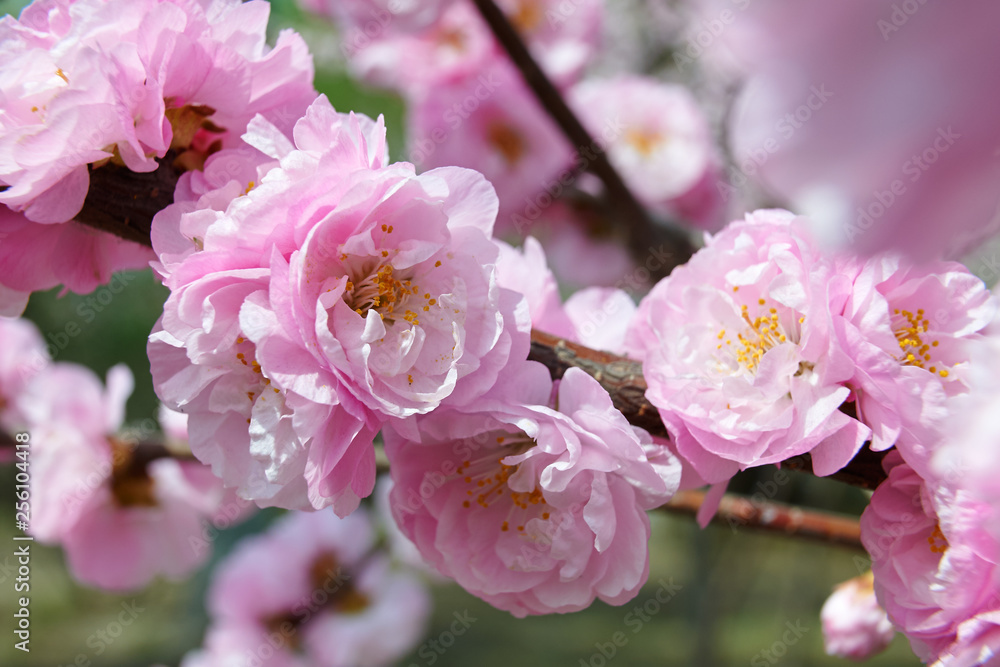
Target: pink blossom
[659,140]
[968,453]
[596,317]
[498,129]
[458,46]
[316,581]
[824,121]
[740,355]
[534,509]
[110,84]
[854,626]
[364,16]
[339,292]
[120,522]
[934,562]
[22,356]
[525,271]
[562,38]
[908,328]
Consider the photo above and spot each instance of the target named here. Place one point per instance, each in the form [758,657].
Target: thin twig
[644,233]
[736,511]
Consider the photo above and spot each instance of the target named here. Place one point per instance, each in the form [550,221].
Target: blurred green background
[739,591]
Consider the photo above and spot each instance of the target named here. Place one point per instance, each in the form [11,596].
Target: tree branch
[736,511]
[644,233]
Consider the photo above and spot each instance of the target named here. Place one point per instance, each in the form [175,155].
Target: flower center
[644,141]
[246,355]
[937,541]
[527,16]
[911,329]
[377,286]
[507,140]
[486,481]
[131,485]
[760,335]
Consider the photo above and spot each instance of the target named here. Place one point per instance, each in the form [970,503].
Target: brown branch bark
[735,511]
[644,234]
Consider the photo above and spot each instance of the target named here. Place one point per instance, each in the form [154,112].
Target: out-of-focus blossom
[873,153]
[562,37]
[969,451]
[493,124]
[22,356]
[116,84]
[582,250]
[338,293]
[120,519]
[314,582]
[536,509]
[854,626]
[740,354]
[375,16]
[659,140]
[934,560]
[458,46]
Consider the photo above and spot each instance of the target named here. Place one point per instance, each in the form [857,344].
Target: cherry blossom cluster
[761,348]
[91,86]
[120,516]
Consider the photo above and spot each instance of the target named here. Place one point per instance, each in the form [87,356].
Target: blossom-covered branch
[623,379]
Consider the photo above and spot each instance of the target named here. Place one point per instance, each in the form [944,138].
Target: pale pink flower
[532,508]
[120,521]
[525,271]
[934,561]
[492,123]
[740,355]
[822,122]
[92,81]
[22,356]
[596,317]
[563,37]
[854,626]
[375,16]
[314,585]
[968,453]
[457,46]
[908,328]
[658,138]
[339,292]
